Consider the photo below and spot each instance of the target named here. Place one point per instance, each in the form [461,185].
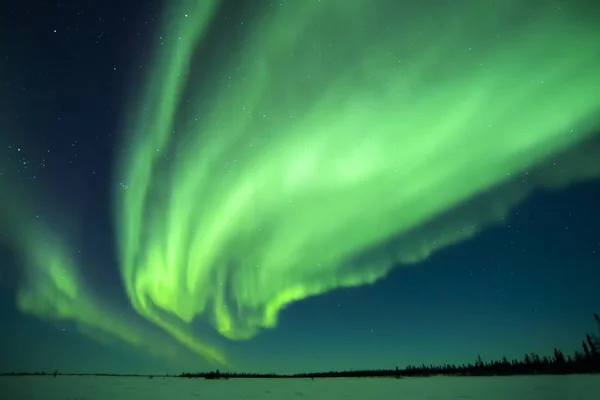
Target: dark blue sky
[528,286]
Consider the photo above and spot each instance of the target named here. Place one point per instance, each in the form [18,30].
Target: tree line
[584,361]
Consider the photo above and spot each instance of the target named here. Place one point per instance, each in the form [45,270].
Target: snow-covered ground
[575,387]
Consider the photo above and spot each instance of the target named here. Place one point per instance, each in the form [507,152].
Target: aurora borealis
[304,148]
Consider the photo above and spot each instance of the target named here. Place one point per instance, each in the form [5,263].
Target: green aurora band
[53,288]
[338,140]
[323,144]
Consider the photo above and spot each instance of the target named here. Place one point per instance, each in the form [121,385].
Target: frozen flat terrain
[575,387]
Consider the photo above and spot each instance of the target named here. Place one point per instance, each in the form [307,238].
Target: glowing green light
[334,128]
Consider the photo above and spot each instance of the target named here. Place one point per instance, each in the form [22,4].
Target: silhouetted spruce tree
[479,362]
[578,358]
[586,350]
[559,356]
[592,345]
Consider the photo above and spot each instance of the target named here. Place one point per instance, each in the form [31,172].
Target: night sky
[296,186]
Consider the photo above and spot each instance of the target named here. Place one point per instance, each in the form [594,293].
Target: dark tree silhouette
[586,351]
[592,345]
